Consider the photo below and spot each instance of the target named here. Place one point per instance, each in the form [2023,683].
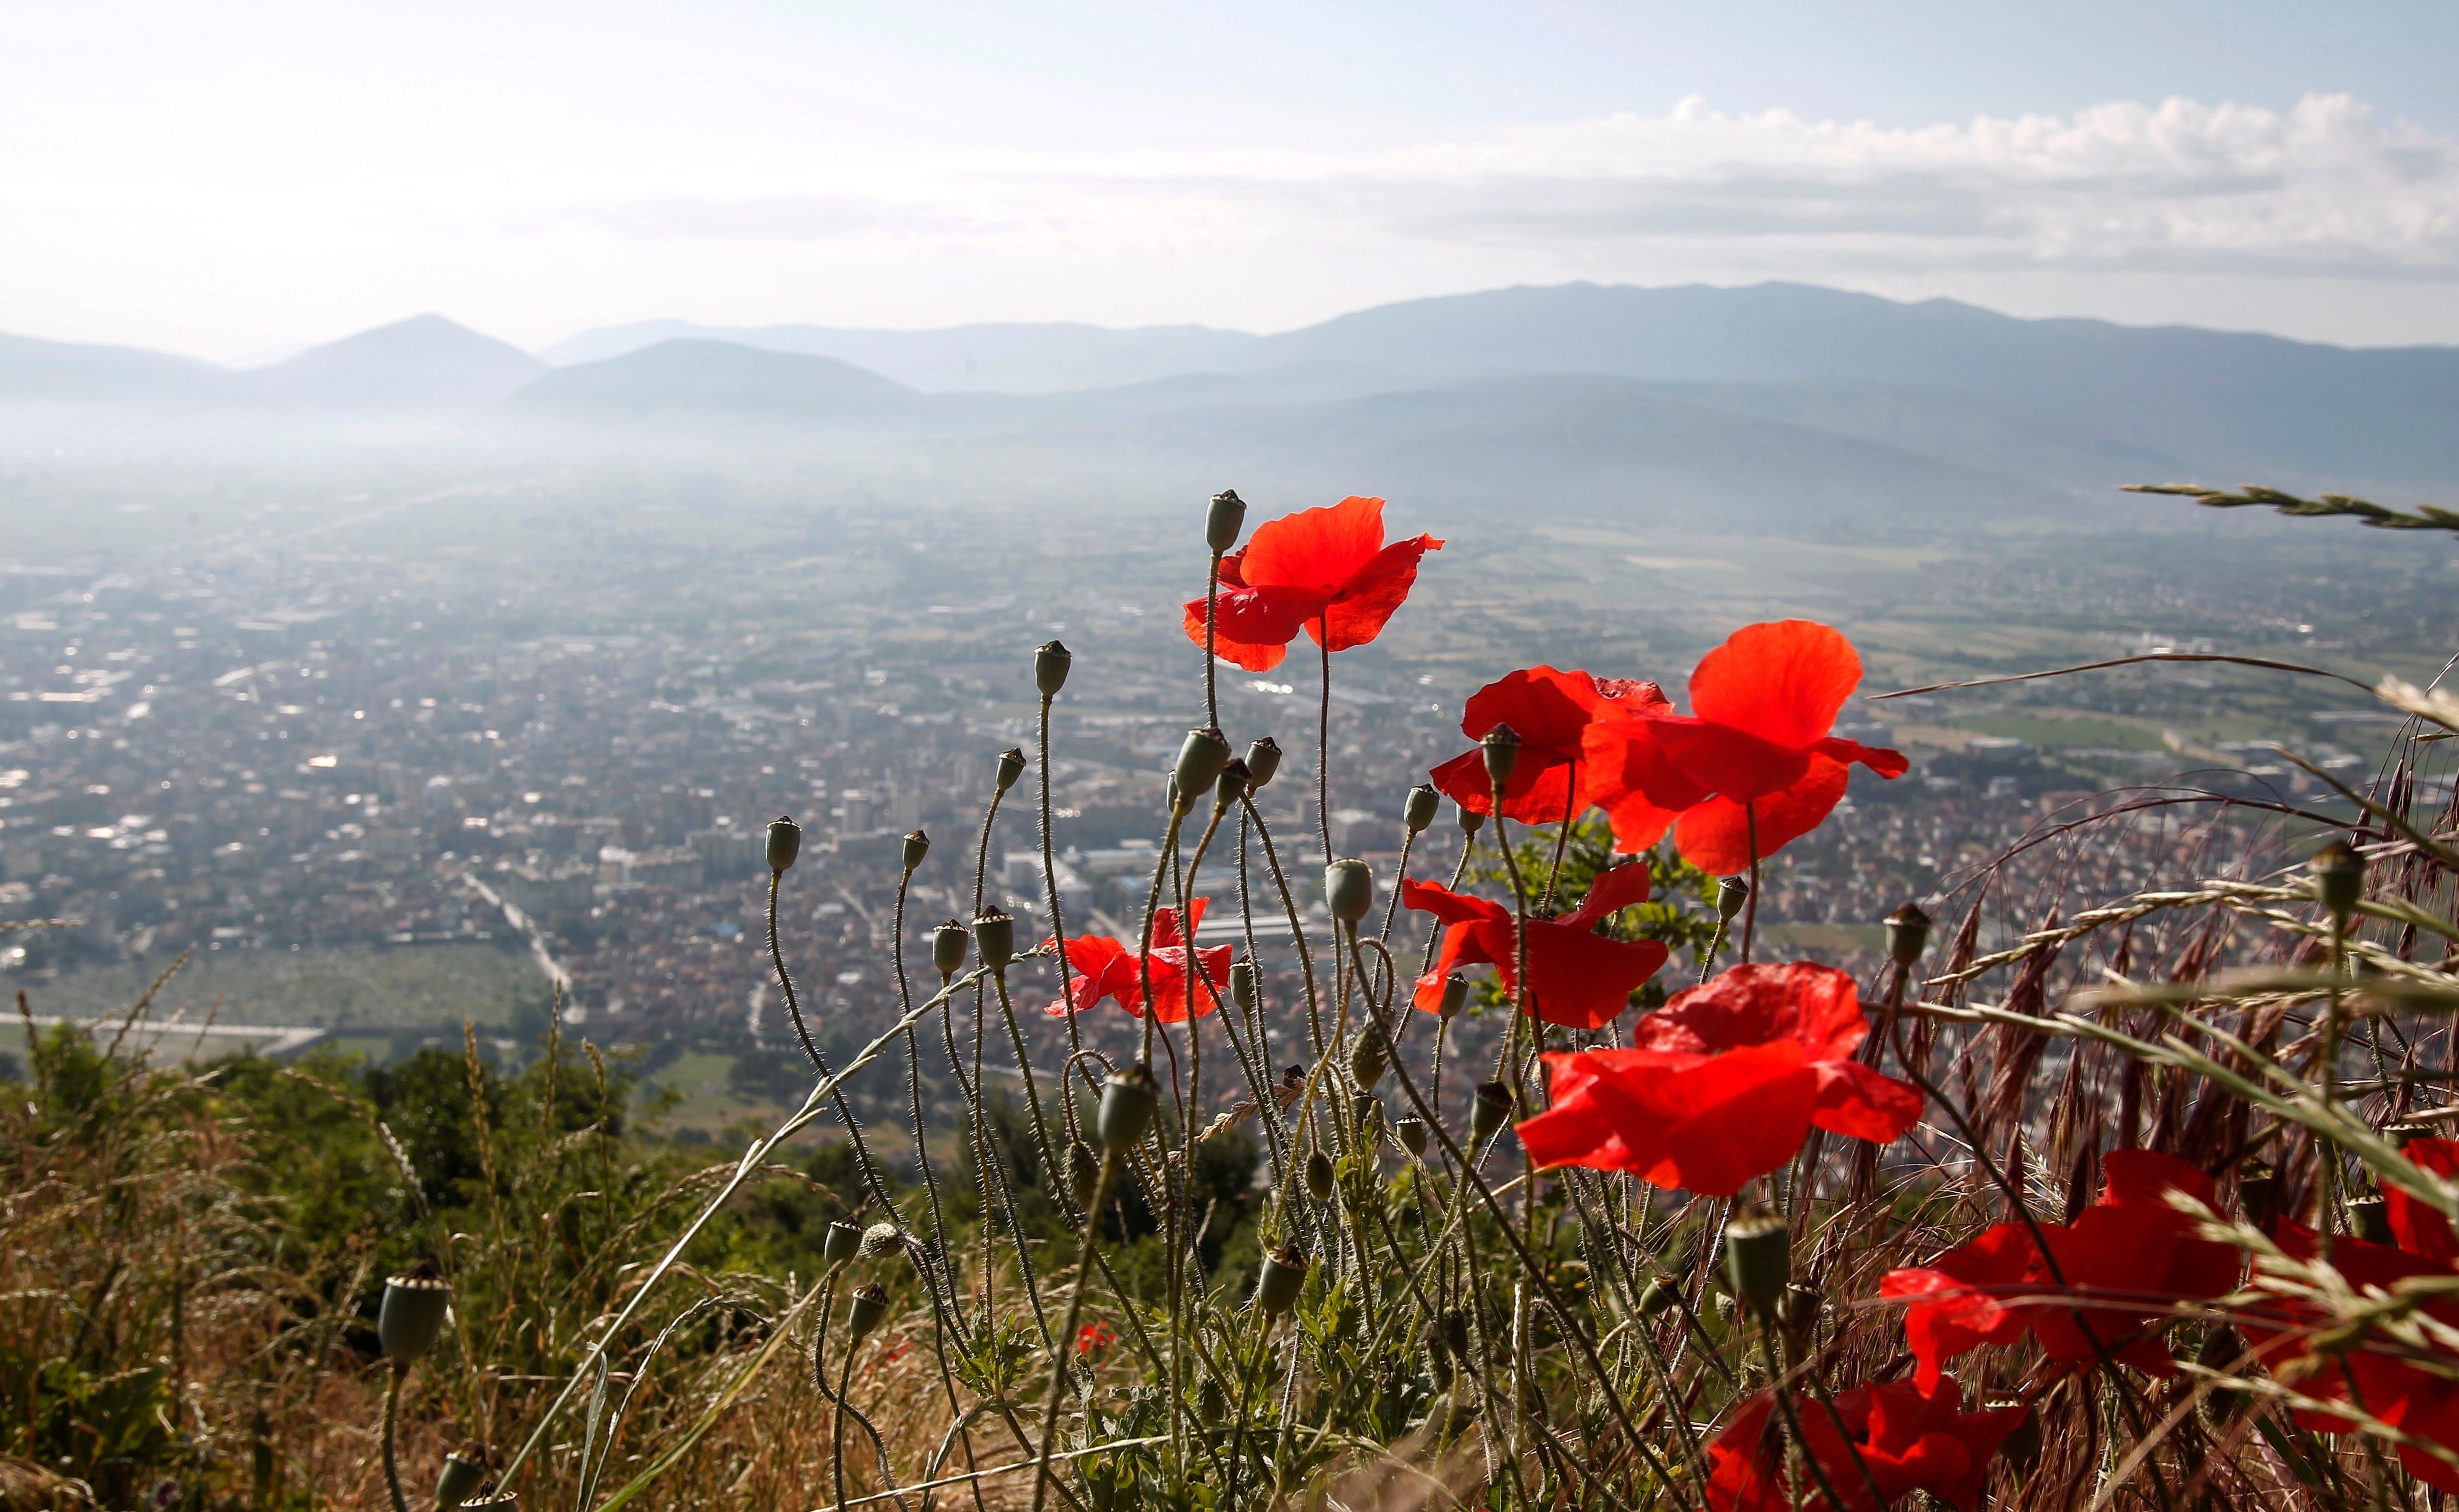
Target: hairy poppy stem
[1050,872]
[1323,741]
[1212,659]
[1064,1362]
[393,1468]
[1751,904]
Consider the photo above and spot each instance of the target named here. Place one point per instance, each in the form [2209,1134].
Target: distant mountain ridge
[421,365]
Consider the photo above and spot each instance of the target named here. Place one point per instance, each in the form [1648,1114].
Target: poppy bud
[1370,1055]
[1439,1360]
[1128,1099]
[2369,1218]
[1452,1327]
[1657,1295]
[1084,1172]
[1730,894]
[1280,1279]
[410,1317]
[948,948]
[842,1242]
[880,1238]
[2339,878]
[1262,760]
[865,1311]
[1470,819]
[1011,766]
[1422,804]
[1759,1259]
[1501,748]
[1201,756]
[1412,1134]
[1348,889]
[1368,1111]
[1242,984]
[1224,520]
[1797,1313]
[1318,1176]
[995,940]
[1213,1401]
[917,846]
[1489,1109]
[1455,995]
[1050,663]
[1907,936]
[463,1471]
[785,843]
[1232,785]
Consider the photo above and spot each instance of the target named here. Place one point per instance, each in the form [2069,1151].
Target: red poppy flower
[1752,755]
[1576,977]
[1723,1084]
[2123,1262]
[1324,570]
[2395,1389]
[1550,712]
[1108,968]
[1894,1436]
[1095,1337]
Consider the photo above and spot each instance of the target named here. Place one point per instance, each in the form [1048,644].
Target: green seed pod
[1797,1313]
[498,1501]
[410,1317]
[2402,1135]
[2339,878]
[1201,756]
[785,842]
[1230,786]
[1907,936]
[1455,995]
[1759,1259]
[1262,760]
[917,846]
[995,940]
[2258,1194]
[1280,1279]
[1050,663]
[1243,988]
[841,1243]
[882,1238]
[1412,1134]
[2369,1218]
[464,1471]
[865,1311]
[1501,748]
[948,948]
[1084,1172]
[1224,520]
[1730,894]
[1470,819]
[1011,766]
[1489,1109]
[1128,1099]
[1419,808]
[1657,1295]
[1370,1055]
[1319,1176]
[1348,889]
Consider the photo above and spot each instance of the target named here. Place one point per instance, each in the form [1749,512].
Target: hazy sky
[239,178]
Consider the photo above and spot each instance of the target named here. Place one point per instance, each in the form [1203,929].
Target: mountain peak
[426,362]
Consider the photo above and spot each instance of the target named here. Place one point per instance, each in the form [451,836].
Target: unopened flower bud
[917,846]
[881,1238]
[1759,1259]
[1011,766]
[1412,1134]
[840,1243]
[785,843]
[1366,1112]
[1419,811]
[1907,936]
[1489,1109]
[1084,1172]
[995,940]
[1455,995]
[1280,1279]
[1370,1055]
[1243,990]
[1128,1099]
[1797,1313]
[1224,520]
[1471,821]
[1501,748]
[410,1317]
[1201,756]
[1262,760]
[1232,785]
[1348,889]
[865,1311]
[464,1471]
[1050,663]
[948,948]
[1730,894]
[2339,878]
[1319,1176]
[1213,1401]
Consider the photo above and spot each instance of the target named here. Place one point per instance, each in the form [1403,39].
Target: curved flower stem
[863,1162]
[1751,904]
[836,1420]
[1399,875]
[913,1087]
[1053,1172]
[393,1468]
[1050,878]
[1562,839]
[1063,1356]
[1162,868]
[1323,740]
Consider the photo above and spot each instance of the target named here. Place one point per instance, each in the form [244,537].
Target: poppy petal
[1255,624]
[1537,794]
[1580,979]
[1627,774]
[1889,763]
[1715,835]
[1315,548]
[1855,1101]
[2419,1230]
[1611,892]
[1782,682]
[1816,1007]
[1730,762]
[1373,594]
[1548,710]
